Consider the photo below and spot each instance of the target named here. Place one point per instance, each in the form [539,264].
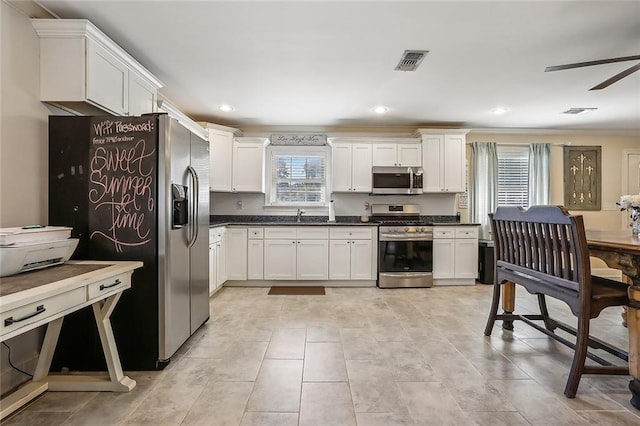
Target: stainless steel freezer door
[199,255]
[174,286]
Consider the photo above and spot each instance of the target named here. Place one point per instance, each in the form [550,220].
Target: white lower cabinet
[213,267]
[255,254]
[350,254]
[217,258]
[455,255]
[296,253]
[466,265]
[236,243]
[280,259]
[444,256]
[312,259]
[287,253]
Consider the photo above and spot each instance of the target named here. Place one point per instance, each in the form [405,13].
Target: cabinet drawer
[280,233]
[37,311]
[256,233]
[355,233]
[108,286]
[467,232]
[312,233]
[215,234]
[444,232]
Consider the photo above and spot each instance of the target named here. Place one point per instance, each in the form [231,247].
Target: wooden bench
[544,249]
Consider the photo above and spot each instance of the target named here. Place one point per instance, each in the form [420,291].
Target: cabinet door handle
[104,287]
[40,309]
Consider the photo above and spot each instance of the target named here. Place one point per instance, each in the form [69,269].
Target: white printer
[33,247]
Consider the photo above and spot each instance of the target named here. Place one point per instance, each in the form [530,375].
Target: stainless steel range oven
[405,246]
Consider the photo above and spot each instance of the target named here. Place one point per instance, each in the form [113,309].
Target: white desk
[41,297]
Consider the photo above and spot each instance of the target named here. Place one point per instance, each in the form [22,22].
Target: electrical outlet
[239,205]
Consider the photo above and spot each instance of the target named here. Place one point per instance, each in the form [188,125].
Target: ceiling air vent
[410,60]
[576,111]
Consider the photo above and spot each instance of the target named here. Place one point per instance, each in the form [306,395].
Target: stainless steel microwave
[397,180]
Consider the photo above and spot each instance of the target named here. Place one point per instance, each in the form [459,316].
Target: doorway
[630,178]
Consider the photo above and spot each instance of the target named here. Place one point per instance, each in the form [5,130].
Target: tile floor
[357,357]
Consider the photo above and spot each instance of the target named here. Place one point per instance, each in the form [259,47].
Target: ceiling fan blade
[590,63]
[617,77]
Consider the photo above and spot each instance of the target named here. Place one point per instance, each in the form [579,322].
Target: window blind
[298,179]
[513,176]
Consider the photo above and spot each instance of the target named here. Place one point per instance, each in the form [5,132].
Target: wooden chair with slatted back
[544,249]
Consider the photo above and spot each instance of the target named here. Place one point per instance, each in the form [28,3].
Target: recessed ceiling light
[225,108]
[380,109]
[576,111]
[499,110]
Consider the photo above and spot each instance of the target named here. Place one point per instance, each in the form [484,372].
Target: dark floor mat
[297,290]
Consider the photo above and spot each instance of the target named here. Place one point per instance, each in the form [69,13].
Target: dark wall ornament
[582,177]
[305,139]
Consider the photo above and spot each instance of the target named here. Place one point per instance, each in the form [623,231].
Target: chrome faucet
[299,215]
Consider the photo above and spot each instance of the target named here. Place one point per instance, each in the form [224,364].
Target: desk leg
[39,384]
[508,303]
[633,325]
[117,381]
[48,349]
[102,312]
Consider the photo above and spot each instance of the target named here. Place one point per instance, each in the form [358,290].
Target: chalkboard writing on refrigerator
[122,182]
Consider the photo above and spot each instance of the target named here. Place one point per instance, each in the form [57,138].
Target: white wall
[23,160]
[23,125]
[345,204]
[613,146]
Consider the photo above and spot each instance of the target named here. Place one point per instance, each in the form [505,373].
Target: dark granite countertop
[272,220]
[286,221]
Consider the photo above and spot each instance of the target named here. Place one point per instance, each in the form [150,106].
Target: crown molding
[551,131]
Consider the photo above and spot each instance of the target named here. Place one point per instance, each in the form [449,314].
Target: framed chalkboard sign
[122,182]
[304,139]
[582,177]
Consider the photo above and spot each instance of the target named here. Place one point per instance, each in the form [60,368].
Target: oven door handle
[393,237]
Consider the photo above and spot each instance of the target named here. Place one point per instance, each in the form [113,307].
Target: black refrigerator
[134,188]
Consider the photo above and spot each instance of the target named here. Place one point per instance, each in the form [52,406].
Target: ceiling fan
[609,81]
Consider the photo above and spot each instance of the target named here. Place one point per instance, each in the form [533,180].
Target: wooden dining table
[621,250]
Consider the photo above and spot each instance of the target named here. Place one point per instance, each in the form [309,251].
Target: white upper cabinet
[410,154]
[85,72]
[351,167]
[443,159]
[237,164]
[385,154]
[248,164]
[397,154]
[142,96]
[221,153]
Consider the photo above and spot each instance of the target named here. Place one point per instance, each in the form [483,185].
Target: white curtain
[484,190]
[539,184]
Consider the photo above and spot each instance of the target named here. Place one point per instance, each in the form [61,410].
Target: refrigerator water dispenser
[179,196]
